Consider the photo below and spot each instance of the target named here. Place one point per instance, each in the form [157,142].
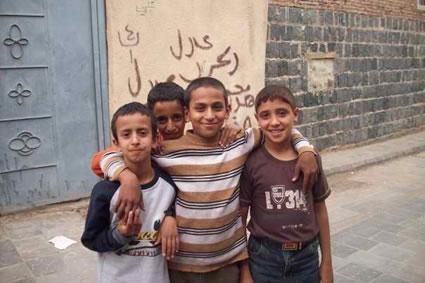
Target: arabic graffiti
[185,49]
[131,40]
[146,7]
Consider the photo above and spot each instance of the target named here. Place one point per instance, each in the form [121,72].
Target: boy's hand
[157,148]
[228,134]
[130,197]
[245,274]
[307,163]
[131,225]
[326,273]
[168,237]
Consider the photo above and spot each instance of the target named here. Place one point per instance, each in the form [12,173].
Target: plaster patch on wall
[320,71]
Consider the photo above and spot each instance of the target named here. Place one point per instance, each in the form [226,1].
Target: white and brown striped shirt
[207,204]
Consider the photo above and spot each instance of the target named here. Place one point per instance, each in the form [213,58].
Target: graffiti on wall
[144,50]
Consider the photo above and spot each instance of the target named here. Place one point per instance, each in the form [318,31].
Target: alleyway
[377,220]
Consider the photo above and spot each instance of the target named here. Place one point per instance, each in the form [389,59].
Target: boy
[285,220]
[212,238]
[127,248]
[166,100]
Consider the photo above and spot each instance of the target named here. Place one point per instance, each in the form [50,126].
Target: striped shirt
[207,204]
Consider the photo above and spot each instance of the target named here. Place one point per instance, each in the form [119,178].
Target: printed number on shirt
[279,196]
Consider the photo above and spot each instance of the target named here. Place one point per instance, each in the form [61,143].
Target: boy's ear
[186,115]
[228,110]
[114,142]
[256,116]
[296,112]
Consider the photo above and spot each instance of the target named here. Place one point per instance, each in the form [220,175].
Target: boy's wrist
[120,238]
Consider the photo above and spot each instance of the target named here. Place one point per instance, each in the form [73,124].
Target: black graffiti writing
[135,92]
[193,42]
[245,101]
[131,39]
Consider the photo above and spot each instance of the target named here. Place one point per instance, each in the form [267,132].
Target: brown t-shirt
[280,210]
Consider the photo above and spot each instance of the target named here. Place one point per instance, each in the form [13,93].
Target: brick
[365,79]
[295,84]
[309,115]
[309,34]
[277,14]
[294,67]
[382,36]
[271,69]
[282,68]
[365,36]
[275,32]
[312,99]
[294,51]
[344,95]
[326,17]
[341,19]
[374,77]
[347,50]
[330,112]
[386,77]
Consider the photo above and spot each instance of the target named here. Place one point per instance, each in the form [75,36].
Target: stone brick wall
[379,71]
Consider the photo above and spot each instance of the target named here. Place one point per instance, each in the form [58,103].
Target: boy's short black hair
[204,82]
[132,108]
[167,91]
[273,92]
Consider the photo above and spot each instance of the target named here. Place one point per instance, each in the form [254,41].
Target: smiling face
[207,111]
[170,119]
[276,119]
[134,137]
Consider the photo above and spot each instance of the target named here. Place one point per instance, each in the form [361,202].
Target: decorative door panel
[51,100]
[25,94]
[23,41]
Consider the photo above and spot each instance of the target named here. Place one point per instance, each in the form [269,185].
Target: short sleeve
[321,189]
[246,190]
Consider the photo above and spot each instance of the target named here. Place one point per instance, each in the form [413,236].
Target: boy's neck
[143,170]
[206,140]
[281,151]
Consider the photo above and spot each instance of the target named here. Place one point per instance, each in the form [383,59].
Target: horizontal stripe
[208,186]
[197,254]
[206,223]
[206,196]
[207,204]
[211,238]
[239,233]
[207,213]
[205,261]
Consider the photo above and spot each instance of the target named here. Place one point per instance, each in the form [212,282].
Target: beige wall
[156,40]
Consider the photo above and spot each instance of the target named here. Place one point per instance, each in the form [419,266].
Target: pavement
[376,211]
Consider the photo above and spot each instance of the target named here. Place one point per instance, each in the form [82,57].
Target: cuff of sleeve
[120,239]
[303,149]
[117,172]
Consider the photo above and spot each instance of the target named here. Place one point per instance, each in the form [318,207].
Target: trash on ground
[61,242]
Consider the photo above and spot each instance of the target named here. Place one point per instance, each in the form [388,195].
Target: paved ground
[377,219]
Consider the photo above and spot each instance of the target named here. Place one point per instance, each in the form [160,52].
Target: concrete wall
[368,69]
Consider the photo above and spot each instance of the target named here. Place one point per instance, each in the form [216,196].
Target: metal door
[53,102]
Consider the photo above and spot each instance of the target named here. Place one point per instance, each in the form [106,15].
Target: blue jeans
[269,263]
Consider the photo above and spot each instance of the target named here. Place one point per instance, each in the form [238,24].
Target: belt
[286,246]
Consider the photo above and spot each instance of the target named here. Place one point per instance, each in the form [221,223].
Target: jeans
[268,263]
